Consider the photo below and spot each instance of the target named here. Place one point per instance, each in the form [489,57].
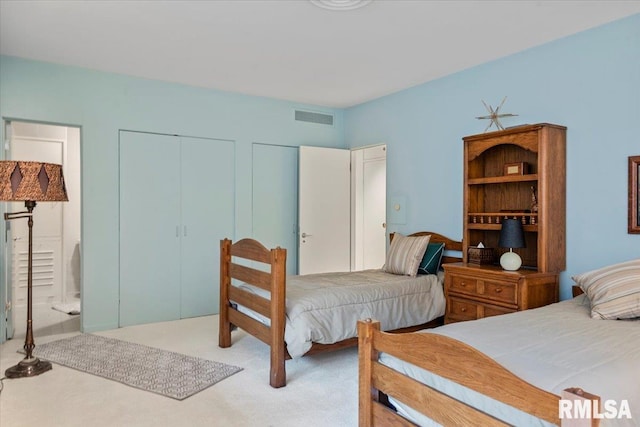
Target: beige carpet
[322,389]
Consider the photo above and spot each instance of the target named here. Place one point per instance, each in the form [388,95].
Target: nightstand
[476,291]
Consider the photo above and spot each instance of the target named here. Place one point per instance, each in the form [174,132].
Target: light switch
[398,210]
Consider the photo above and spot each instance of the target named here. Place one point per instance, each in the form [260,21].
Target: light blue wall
[589,82]
[102,104]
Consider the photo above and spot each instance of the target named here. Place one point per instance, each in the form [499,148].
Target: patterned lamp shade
[512,234]
[31,181]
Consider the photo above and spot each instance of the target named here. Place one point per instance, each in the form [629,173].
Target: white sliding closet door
[149,228]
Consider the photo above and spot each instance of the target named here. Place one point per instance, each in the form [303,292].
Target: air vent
[312,117]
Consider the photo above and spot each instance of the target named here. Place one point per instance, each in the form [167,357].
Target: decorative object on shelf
[518,168]
[495,115]
[534,205]
[511,236]
[481,255]
[524,215]
[30,182]
[634,195]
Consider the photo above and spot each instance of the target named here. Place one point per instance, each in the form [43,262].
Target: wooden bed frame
[455,361]
[274,281]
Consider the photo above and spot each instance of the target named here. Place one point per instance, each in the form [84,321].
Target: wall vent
[43,268]
[313,117]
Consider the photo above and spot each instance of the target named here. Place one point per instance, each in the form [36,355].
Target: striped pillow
[614,291]
[405,254]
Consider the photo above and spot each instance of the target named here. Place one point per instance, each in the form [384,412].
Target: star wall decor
[494,115]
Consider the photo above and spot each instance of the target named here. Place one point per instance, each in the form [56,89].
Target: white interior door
[47,233]
[374,199]
[368,207]
[324,194]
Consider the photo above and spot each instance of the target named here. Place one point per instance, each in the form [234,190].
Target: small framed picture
[519,168]
[634,195]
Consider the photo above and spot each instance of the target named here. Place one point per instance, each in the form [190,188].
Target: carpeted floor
[321,391]
[147,368]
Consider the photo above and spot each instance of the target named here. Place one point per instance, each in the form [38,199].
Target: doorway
[368,207]
[284,178]
[342,209]
[56,235]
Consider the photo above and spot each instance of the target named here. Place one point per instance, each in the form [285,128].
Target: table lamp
[511,236]
[30,182]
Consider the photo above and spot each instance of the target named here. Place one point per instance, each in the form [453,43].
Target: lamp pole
[29,366]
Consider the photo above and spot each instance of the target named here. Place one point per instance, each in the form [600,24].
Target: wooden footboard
[453,360]
[273,280]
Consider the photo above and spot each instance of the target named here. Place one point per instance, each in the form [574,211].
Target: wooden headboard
[449,244]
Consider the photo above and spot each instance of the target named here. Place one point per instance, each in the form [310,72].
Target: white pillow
[614,290]
[405,254]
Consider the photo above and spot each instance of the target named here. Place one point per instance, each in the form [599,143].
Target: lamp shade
[31,181]
[512,234]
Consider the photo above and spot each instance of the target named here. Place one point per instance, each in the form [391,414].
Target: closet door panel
[149,220]
[275,199]
[208,194]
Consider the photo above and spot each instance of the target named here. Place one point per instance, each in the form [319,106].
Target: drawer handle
[463,309]
[498,290]
[462,284]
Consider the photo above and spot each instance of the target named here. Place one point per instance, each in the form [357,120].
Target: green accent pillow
[432,258]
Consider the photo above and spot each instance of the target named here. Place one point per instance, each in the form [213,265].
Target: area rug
[147,368]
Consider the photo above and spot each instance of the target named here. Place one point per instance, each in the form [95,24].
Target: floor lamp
[30,182]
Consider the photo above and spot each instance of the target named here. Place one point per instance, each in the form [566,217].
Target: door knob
[304,235]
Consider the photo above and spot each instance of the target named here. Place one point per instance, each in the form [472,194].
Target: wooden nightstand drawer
[459,309]
[497,291]
[467,285]
[491,290]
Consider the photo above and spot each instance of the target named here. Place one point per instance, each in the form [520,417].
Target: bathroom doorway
[56,235]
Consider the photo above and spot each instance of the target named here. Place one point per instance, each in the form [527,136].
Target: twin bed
[302,315]
[513,369]
[524,369]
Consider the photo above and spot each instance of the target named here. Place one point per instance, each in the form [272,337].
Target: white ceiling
[291,49]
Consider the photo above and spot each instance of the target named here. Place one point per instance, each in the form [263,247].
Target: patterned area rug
[151,369]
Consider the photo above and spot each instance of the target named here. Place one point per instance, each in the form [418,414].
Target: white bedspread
[553,347]
[324,308]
